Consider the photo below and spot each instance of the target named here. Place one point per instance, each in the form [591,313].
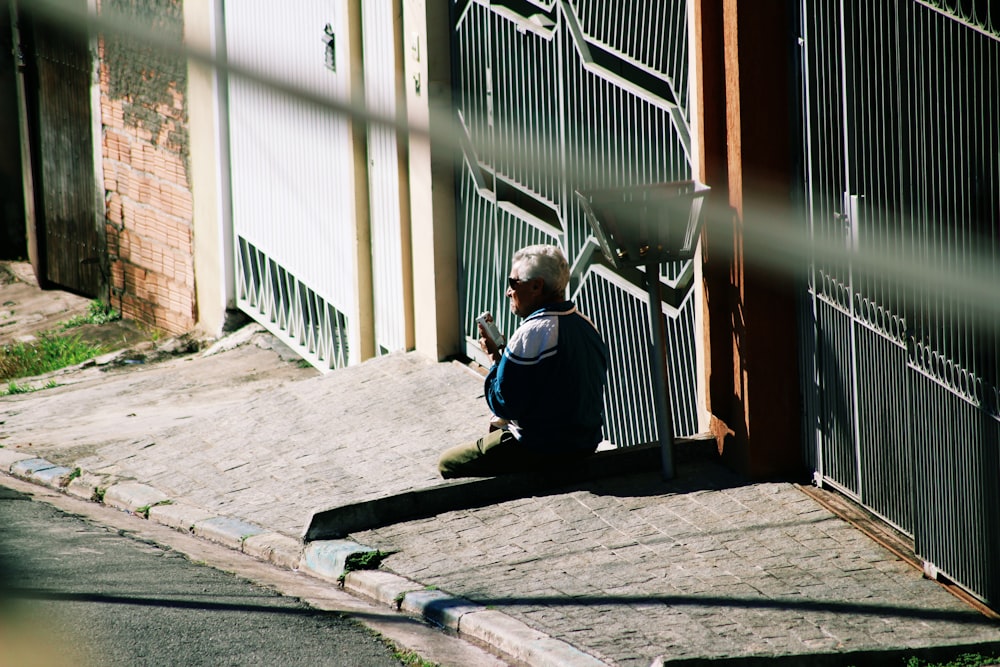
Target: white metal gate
[559,96]
[292,181]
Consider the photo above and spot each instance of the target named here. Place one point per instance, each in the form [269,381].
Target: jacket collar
[559,308]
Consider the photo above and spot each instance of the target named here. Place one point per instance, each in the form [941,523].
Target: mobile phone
[491,329]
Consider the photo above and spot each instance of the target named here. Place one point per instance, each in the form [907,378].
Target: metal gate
[66,241]
[323,267]
[902,131]
[292,192]
[565,96]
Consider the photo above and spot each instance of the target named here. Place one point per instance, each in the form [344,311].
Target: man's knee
[452,460]
[493,454]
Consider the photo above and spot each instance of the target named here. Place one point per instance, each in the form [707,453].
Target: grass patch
[70,477]
[363,560]
[411,658]
[963,660]
[15,388]
[97,313]
[48,353]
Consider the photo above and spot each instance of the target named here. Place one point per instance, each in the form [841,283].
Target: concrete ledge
[230,532]
[81,488]
[9,457]
[41,471]
[88,485]
[338,522]
[327,559]
[56,477]
[469,619]
[179,516]
[274,548]
[523,643]
[133,496]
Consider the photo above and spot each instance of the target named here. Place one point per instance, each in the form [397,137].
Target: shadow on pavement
[623,472]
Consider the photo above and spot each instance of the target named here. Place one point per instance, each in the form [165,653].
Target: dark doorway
[13,238]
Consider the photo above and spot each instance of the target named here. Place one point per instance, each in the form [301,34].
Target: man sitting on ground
[546,386]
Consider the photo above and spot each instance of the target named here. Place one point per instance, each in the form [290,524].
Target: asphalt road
[75,592]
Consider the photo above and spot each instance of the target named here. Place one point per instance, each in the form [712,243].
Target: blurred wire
[773,238]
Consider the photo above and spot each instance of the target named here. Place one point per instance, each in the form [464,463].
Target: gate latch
[331,52]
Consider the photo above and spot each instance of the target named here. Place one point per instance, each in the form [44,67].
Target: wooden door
[67,234]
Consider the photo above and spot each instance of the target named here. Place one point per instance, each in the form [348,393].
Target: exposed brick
[149,206]
[117,275]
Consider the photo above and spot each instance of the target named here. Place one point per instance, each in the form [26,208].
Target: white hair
[543,261]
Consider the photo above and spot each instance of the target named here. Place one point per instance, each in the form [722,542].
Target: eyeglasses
[514,282]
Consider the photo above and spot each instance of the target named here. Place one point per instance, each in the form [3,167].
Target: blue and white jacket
[549,383]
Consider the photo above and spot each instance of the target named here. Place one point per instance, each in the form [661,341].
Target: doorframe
[35,257]
[97,149]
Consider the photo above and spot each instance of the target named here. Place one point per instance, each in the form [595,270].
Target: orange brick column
[149,210]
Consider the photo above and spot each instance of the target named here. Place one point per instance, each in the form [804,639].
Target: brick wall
[146,175]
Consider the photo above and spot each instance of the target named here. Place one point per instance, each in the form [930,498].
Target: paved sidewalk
[630,570]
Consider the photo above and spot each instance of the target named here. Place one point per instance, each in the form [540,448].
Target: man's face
[525,295]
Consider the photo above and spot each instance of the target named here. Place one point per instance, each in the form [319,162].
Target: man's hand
[488,346]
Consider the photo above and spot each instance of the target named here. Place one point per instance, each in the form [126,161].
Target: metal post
[658,368]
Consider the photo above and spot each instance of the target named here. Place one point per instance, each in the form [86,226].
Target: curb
[323,559]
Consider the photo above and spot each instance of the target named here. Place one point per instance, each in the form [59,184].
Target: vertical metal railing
[902,106]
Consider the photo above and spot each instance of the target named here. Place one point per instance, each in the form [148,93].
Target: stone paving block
[383,587]
[25,468]
[55,477]
[227,530]
[327,559]
[132,496]
[180,516]
[280,550]
[88,486]
[439,607]
[522,642]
